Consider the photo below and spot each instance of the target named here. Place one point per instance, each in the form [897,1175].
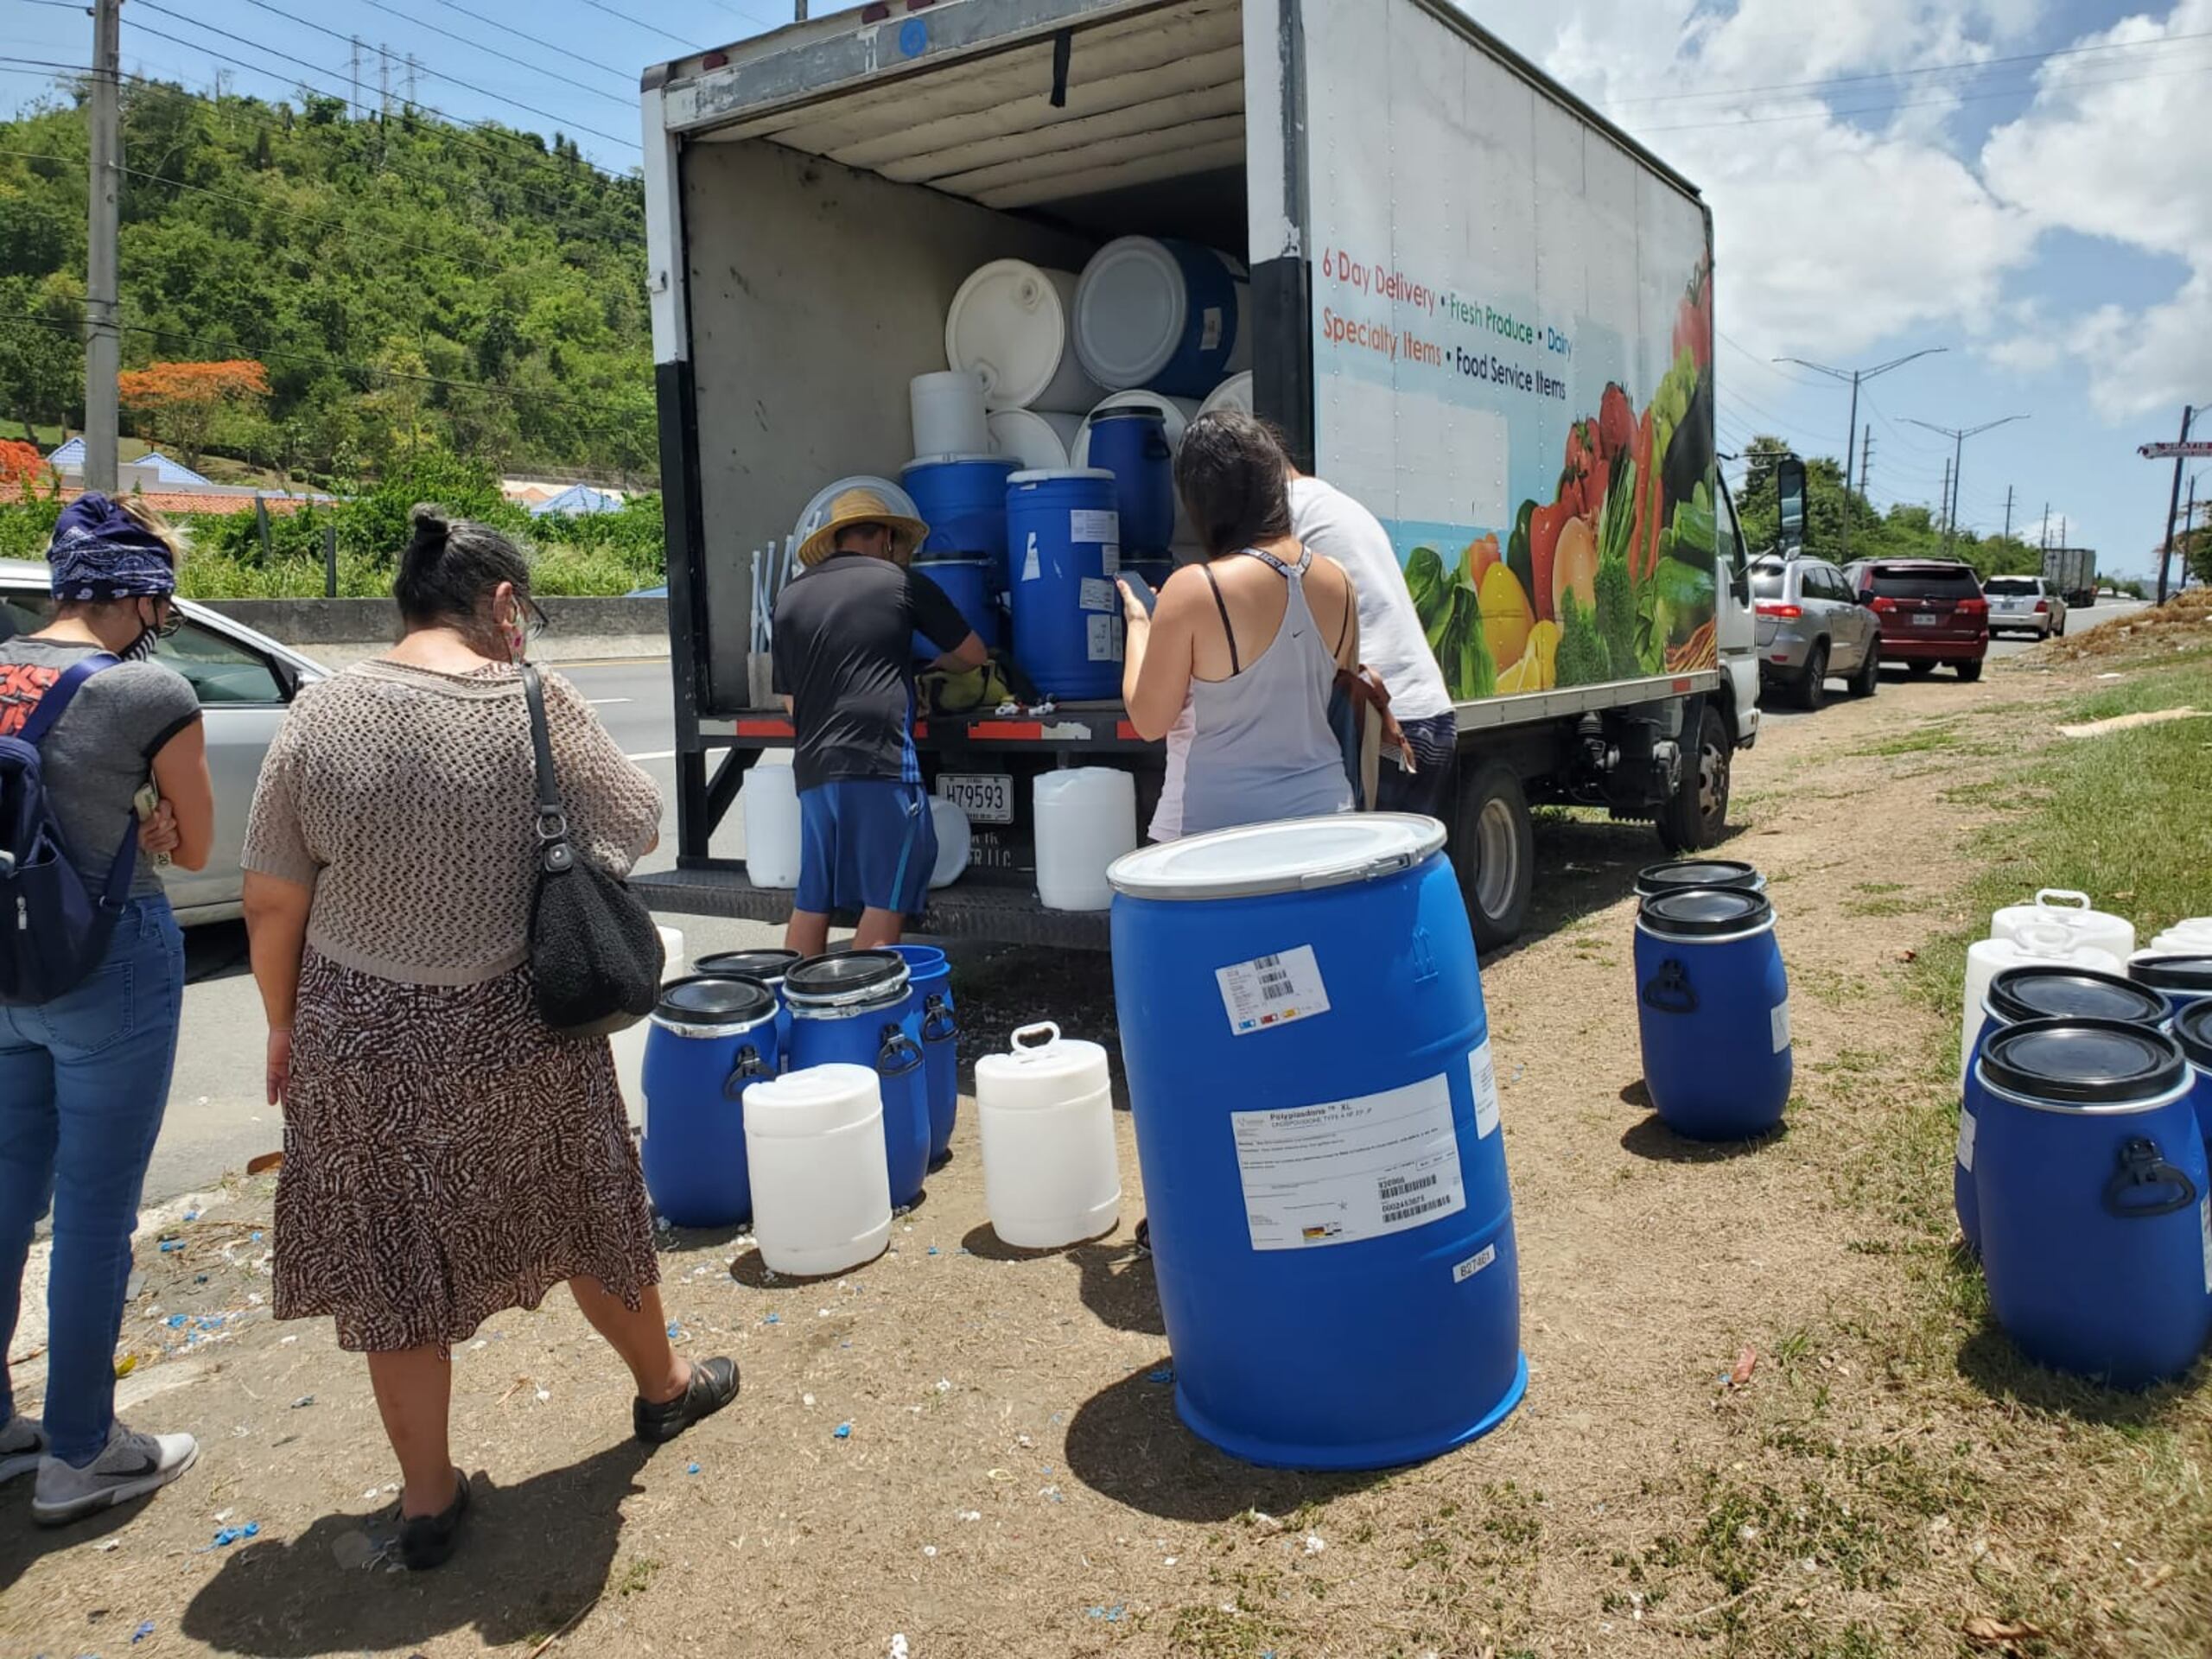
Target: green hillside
[409,285]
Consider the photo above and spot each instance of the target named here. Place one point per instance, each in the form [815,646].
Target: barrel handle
[1669,991]
[2141,1164]
[747,1068]
[1156,447]
[938,1022]
[899,1055]
[1045,1028]
[2075,900]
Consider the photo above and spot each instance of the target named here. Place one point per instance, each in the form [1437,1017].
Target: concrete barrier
[346,628]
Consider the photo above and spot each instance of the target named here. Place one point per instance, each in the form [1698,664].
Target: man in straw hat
[845,635]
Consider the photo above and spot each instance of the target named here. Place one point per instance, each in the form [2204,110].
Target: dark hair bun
[430,521]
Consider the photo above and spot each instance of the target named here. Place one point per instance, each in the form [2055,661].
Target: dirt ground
[959,1450]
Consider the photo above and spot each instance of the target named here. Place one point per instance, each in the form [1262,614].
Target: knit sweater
[406,799]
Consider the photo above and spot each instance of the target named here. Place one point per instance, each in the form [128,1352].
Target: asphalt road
[217,1119]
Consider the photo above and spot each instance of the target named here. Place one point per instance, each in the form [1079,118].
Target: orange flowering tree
[180,402]
[20,466]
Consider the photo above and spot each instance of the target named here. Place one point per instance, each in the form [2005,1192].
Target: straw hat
[862,506]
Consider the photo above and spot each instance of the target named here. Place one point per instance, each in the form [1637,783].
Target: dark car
[1931,611]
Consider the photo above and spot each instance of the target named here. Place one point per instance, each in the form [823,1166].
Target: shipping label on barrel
[1094,525]
[1096,593]
[1032,569]
[1270,991]
[1210,328]
[1340,1171]
[1482,1076]
[1778,1023]
[1966,1143]
[2204,1227]
[1102,638]
[1109,558]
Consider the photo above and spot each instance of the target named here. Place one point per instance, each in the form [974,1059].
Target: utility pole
[103,340]
[1852,377]
[2046,527]
[1958,436]
[384,81]
[408,103]
[2173,500]
[355,110]
[1866,457]
[2008,512]
[1946,514]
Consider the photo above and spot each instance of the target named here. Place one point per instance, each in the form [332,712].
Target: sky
[2020,182]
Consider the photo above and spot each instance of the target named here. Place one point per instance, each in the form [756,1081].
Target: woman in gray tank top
[1236,668]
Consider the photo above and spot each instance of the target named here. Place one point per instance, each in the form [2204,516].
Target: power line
[634,22]
[1970,65]
[506,57]
[451,80]
[562,51]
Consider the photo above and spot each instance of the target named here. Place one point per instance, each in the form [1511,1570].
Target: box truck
[1473,303]
[2073,571]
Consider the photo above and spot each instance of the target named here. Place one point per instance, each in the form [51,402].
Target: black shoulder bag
[595,950]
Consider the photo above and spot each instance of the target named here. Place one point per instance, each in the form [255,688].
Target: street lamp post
[1958,436]
[1852,377]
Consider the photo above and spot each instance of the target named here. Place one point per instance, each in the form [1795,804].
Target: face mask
[140,649]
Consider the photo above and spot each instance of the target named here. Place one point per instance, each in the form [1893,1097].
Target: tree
[20,467]
[183,401]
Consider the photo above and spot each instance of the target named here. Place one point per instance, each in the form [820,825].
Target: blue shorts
[865,843]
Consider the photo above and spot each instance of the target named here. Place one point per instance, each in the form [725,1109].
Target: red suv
[1931,611]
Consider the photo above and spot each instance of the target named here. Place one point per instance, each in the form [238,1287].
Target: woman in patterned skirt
[447,1155]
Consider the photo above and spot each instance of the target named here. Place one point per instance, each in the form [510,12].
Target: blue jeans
[84,1080]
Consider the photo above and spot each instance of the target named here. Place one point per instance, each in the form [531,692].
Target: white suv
[2026,604]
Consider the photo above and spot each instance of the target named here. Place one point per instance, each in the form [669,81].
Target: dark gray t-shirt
[100,753]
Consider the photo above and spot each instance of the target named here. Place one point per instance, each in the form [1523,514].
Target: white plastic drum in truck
[770,800]
[1086,818]
[1040,440]
[1051,1176]
[947,412]
[1009,322]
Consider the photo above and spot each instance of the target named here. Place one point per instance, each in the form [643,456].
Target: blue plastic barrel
[2037,991]
[1713,1010]
[1159,312]
[769,967]
[1064,550]
[2181,980]
[1309,1064]
[851,1008]
[710,1036]
[929,977]
[962,499]
[2089,1170]
[1677,873]
[2193,1030]
[972,585]
[1130,441]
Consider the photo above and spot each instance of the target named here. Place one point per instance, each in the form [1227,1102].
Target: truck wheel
[1697,813]
[1494,849]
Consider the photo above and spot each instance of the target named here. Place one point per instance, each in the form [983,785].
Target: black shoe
[428,1541]
[1144,1237]
[714,1385]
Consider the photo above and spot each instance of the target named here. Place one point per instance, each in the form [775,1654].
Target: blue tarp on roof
[577,501]
[70,457]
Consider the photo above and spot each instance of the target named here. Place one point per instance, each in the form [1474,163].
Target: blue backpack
[53,930]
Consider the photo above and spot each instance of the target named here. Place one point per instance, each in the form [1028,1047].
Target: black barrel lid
[1695,873]
[1127,412]
[2055,991]
[2193,1030]
[1705,912]
[2091,1062]
[767,965]
[714,1000]
[844,974]
[2191,975]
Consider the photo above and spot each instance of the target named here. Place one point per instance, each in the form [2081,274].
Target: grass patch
[1940,734]
[2181,681]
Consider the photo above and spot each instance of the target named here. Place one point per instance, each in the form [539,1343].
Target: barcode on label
[1392,1191]
[1273,979]
[1391,1217]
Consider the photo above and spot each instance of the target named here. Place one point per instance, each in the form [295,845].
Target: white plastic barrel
[821,1178]
[1041,439]
[770,798]
[1046,1113]
[1009,322]
[2031,942]
[1236,392]
[955,842]
[629,1043]
[2191,936]
[1086,818]
[947,410]
[2063,907]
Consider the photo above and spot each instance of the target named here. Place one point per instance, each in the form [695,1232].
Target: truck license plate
[1925,619]
[986,797]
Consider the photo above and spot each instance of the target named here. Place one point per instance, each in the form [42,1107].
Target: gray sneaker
[22,1443]
[131,1466]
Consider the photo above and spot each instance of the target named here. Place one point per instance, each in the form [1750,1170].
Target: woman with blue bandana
[85,1076]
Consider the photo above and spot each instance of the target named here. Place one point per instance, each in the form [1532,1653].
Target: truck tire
[1494,849]
[1697,813]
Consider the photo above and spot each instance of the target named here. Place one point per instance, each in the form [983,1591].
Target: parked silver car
[2025,604]
[1811,626]
[246,682]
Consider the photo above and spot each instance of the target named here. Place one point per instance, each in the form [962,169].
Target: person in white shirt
[1391,641]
